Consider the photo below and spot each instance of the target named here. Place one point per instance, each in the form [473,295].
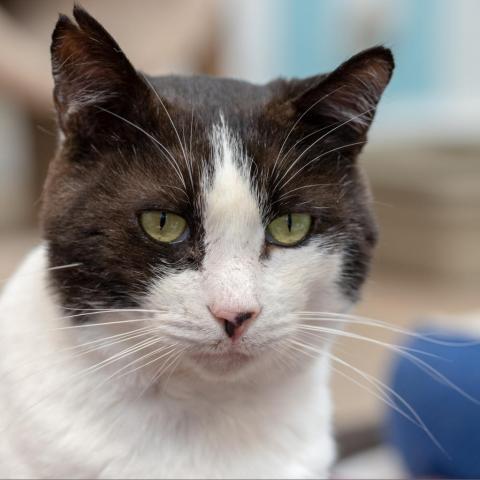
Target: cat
[190,225]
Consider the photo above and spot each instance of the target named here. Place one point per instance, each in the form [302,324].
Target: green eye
[164,227]
[289,229]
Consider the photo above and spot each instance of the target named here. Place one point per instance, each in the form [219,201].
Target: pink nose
[235,322]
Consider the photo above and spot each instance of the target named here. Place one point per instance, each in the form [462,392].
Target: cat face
[222,209]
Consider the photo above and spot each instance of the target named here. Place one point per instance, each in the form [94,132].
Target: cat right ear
[92,76]
[348,96]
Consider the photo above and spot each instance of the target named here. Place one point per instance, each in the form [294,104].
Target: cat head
[221,210]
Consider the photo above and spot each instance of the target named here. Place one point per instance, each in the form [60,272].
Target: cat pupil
[289,222]
[163,219]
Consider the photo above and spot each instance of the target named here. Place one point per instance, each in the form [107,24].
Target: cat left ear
[91,73]
[349,95]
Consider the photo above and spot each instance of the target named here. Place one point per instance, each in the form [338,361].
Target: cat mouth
[230,356]
[223,362]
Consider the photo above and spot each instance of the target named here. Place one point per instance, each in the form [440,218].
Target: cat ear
[91,74]
[347,98]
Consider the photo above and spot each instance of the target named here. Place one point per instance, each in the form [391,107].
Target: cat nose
[234,322]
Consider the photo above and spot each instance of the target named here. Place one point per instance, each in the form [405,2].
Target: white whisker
[382,387]
[298,121]
[173,364]
[84,325]
[320,156]
[333,331]
[289,192]
[89,370]
[182,146]
[351,119]
[133,362]
[406,352]
[42,271]
[171,159]
[99,343]
[355,319]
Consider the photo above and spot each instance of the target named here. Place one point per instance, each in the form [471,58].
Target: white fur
[233,229]
[225,411]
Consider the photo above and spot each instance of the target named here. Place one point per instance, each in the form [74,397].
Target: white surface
[380,462]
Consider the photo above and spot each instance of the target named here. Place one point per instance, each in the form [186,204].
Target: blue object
[453,419]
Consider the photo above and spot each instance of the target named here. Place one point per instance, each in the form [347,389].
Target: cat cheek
[306,278]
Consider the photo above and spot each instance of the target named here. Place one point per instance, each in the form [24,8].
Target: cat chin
[229,367]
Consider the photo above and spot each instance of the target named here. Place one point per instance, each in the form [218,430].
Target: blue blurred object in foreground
[451,418]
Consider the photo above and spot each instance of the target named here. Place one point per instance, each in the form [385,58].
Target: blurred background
[423,159]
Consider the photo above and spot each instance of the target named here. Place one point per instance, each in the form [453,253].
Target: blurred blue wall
[435,91]
[316,35]
[435,42]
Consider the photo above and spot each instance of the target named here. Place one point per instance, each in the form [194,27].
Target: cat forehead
[228,164]
[208,95]
[230,197]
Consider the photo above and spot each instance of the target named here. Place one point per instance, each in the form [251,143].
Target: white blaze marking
[234,233]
